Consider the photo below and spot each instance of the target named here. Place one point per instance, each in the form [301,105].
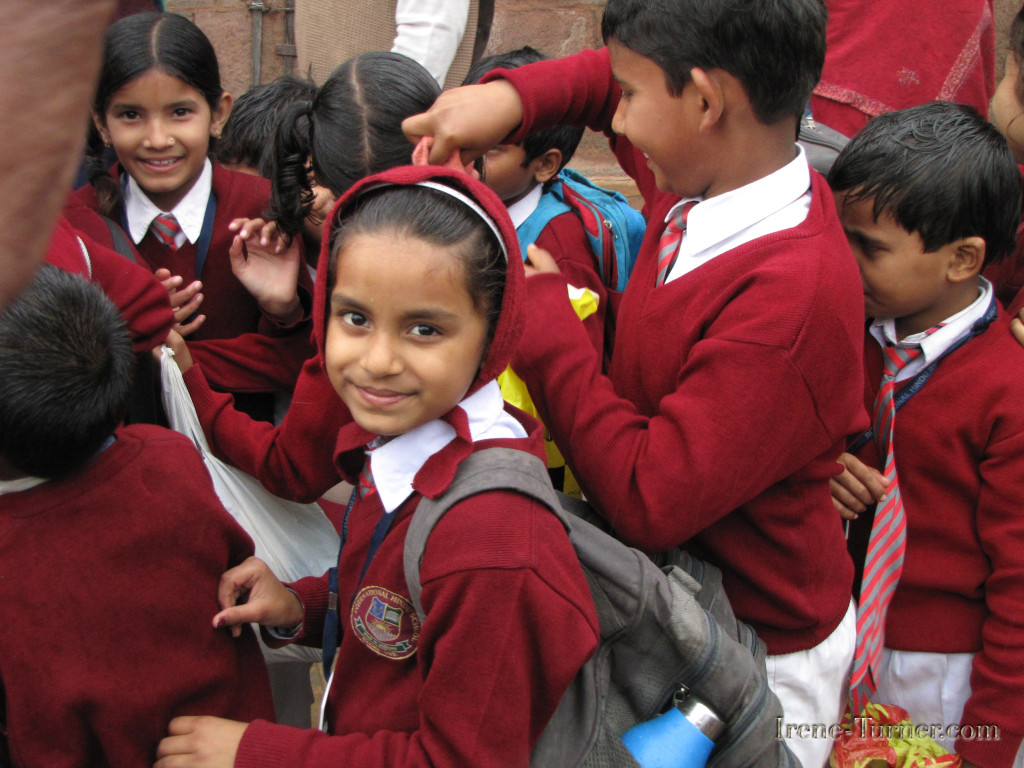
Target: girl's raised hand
[184,300]
[250,592]
[200,742]
[267,263]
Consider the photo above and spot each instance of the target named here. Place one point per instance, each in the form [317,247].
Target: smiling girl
[160,104]
[420,309]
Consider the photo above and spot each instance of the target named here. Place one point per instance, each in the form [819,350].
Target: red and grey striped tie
[166,227]
[668,246]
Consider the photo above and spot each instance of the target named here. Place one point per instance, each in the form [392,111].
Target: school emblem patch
[385,622]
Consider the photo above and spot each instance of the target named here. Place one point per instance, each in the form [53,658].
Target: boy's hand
[856,488]
[1017,327]
[182,357]
[200,742]
[539,261]
[472,118]
[184,300]
[264,599]
[267,263]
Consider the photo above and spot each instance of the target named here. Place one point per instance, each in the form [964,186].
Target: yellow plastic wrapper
[883,736]
[513,389]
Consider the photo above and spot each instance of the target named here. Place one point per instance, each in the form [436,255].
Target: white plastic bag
[295,540]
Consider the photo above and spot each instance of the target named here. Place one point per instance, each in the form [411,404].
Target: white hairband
[464,199]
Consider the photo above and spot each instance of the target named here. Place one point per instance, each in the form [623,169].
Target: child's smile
[404,340]
[160,128]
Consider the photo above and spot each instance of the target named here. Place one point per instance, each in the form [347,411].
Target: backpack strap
[550,205]
[491,469]
[119,240]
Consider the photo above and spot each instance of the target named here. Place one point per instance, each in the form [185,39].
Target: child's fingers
[184,312]
[870,484]
[1017,328]
[186,329]
[540,260]
[844,512]
[846,499]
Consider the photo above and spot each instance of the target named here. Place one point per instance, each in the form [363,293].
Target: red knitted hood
[510,322]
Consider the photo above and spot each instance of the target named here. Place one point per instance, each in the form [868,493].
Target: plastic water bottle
[680,738]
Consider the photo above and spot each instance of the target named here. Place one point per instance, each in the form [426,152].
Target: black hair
[940,170]
[68,369]
[564,138]
[132,46]
[435,218]
[353,128]
[248,136]
[775,48]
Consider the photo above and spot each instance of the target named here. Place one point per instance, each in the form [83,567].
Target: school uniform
[231,311]
[108,583]
[731,390]
[953,636]
[138,296]
[509,619]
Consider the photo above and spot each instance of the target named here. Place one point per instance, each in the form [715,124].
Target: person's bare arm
[49,58]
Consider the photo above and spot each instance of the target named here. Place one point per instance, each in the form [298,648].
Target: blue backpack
[614,228]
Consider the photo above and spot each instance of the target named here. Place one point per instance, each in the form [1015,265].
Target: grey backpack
[661,629]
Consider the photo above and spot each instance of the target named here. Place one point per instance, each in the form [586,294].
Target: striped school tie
[366,485]
[887,541]
[165,227]
[668,246]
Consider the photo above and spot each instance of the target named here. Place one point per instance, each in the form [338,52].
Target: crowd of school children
[785,343]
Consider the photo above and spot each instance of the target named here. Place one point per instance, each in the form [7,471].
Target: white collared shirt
[190,212]
[523,208]
[395,463]
[934,345]
[778,201]
[21,484]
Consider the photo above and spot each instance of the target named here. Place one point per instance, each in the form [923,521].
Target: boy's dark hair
[440,220]
[939,169]
[564,138]
[68,369]
[248,136]
[775,48]
[351,129]
[132,46]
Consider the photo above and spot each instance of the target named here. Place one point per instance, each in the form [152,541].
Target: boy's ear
[712,97]
[546,166]
[968,259]
[220,115]
[101,127]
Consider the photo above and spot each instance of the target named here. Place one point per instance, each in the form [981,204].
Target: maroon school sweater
[108,585]
[959,448]
[731,390]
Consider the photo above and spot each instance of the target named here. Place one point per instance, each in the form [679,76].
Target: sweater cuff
[978,744]
[313,593]
[203,397]
[269,745]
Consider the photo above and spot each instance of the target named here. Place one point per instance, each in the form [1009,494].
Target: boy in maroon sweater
[928,197]
[111,544]
[734,378]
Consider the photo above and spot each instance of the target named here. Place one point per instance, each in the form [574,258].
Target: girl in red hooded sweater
[420,310]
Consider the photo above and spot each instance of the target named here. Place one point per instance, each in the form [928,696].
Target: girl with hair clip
[159,104]
[419,310]
[351,129]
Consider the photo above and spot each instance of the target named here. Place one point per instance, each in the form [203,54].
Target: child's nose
[380,357]
[158,136]
[619,118]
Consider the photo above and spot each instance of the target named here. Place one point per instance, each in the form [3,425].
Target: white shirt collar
[395,463]
[934,345]
[775,202]
[21,484]
[520,210]
[190,212]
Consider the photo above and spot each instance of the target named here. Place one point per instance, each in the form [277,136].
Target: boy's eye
[422,329]
[182,112]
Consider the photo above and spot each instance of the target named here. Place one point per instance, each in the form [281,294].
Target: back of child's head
[351,129]
[132,46]
[68,371]
[774,48]
[938,169]
[564,138]
[248,137]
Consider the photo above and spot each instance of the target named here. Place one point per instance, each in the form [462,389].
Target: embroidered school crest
[385,622]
